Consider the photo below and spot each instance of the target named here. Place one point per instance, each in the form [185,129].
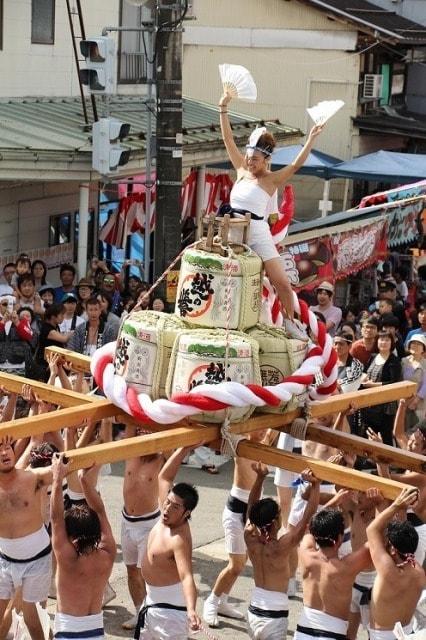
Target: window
[132,63]
[59,229]
[43,22]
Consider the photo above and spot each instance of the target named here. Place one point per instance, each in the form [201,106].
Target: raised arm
[399,424]
[234,154]
[256,490]
[296,533]
[60,540]
[282,175]
[376,529]
[167,475]
[88,479]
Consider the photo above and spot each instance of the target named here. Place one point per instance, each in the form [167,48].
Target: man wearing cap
[71,319]
[350,369]
[362,349]
[332,314]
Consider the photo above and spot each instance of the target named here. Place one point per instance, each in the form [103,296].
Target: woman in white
[255,188]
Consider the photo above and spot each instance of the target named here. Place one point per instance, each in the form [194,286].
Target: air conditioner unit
[372,85]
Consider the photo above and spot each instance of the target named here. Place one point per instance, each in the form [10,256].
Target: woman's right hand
[225,99]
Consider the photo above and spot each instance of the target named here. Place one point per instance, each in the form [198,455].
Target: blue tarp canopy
[383,166]
[317,164]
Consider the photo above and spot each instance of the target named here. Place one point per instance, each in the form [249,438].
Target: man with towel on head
[85,551]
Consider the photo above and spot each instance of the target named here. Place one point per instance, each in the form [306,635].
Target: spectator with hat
[71,318]
[387,291]
[332,314]
[414,370]
[350,369]
[85,290]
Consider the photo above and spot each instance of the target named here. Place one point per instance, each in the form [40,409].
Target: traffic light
[108,154]
[99,74]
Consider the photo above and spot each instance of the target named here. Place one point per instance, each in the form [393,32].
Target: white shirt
[66,324]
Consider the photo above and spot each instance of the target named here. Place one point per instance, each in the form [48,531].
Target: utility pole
[167,239]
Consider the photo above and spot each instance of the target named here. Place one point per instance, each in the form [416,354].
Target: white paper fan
[323,111]
[237,80]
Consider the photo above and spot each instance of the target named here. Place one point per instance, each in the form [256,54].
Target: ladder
[75,37]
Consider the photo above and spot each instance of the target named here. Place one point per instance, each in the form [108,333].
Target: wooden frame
[76,407]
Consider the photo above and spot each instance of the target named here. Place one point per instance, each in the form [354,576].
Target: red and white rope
[321,359]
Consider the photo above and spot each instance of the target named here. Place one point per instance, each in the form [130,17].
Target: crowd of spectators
[80,315]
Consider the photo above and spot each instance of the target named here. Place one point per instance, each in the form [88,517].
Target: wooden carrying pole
[156,442]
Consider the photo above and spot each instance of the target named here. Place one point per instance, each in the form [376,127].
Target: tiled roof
[370,17]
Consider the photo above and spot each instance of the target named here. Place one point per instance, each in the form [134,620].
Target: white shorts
[284,478]
[233,526]
[78,626]
[165,624]
[134,536]
[260,239]
[299,504]
[267,615]
[34,576]
[421,547]
[364,582]
[384,634]
[314,620]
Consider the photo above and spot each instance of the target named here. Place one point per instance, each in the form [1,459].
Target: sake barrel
[279,356]
[143,351]
[199,357]
[202,289]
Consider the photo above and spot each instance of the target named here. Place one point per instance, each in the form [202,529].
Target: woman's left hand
[225,99]
[315,131]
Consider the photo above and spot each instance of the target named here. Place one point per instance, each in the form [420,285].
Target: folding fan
[323,111]
[238,81]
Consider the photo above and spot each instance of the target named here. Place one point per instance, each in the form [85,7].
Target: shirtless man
[85,550]
[25,549]
[415,443]
[327,579]
[233,520]
[400,579]
[171,594]
[140,513]
[268,610]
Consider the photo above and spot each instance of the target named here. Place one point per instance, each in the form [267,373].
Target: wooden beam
[78,361]
[46,392]
[154,443]
[56,420]
[327,471]
[362,447]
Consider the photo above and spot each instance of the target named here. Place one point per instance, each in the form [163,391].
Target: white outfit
[420,527]
[81,627]
[233,519]
[361,593]
[284,478]
[134,536]
[314,620]
[299,504]
[384,634]
[160,622]
[66,324]
[247,195]
[26,562]
[267,615]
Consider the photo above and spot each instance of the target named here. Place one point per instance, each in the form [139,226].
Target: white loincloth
[263,606]
[164,623]
[134,536]
[21,568]
[364,582]
[233,523]
[284,478]
[82,626]
[385,634]
[346,547]
[331,628]
[299,504]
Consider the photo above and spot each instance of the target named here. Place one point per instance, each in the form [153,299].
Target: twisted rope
[321,358]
